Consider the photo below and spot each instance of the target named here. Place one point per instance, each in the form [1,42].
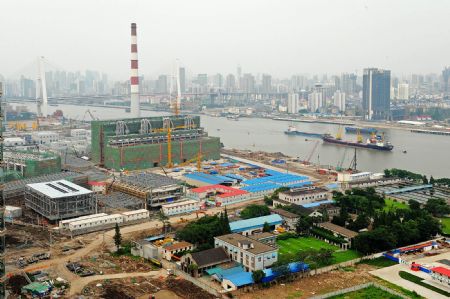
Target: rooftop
[211,256]
[180,203]
[149,180]
[284,213]
[441,270]
[338,229]
[208,178]
[240,279]
[225,190]
[304,191]
[236,239]
[242,225]
[317,203]
[177,246]
[135,212]
[59,189]
[261,236]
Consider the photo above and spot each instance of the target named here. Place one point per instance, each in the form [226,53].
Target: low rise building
[289,219]
[255,225]
[252,254]
[168,250]
[145,249]
[304,195]
[181,207]
[267,238]
[197,262]
[222,195]
[45,137]
[441,275]
[135,215]
[339,231]
[95,222]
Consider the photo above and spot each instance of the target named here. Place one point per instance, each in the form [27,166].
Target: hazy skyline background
[277,37]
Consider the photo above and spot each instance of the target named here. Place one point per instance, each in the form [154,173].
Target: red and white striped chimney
[134,79]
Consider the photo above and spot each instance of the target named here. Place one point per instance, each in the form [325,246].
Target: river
[426,154]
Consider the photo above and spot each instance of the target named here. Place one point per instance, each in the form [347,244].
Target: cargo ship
[374,142]
[293,131]
[361,130]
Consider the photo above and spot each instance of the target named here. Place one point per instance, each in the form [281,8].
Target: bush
[285,236]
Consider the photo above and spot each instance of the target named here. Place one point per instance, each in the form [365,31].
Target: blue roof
[293,268]
[240,279]
[242,225]
[278,179]
[226,164]
[409,189]
[221,273]
[261,187]
[208,178]
[332,186]
[235,176]
[317,203]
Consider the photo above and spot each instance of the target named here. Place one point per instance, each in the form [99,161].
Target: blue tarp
[317,203]
[240,279]
[293,268]
[226,164]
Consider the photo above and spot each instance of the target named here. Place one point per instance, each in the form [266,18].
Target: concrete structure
[252,254]
[59,199]
[140,143]
[32,164]
[180,207]
[255,225]
[265,237]
[170,249]
[134,78]
[376,94]
[144,249]
[79,133]
[339,100]
[293,103]
[304,195]
[289,219]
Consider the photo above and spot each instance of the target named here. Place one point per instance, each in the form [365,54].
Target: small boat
[404,151]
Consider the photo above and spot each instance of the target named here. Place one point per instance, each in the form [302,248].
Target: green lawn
[293,245]
[367,293]
[392,205]
[446,225]
[379,262]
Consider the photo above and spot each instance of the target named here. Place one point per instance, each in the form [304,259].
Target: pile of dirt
[186,289]
[15,284]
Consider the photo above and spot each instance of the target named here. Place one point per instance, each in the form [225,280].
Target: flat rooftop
[304,191]
[149,180]
[258,246]
[59,189]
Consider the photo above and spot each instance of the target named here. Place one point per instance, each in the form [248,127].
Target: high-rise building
[202,80]
[376,93]
[182,75]
[446,78]
[161,84]
[403,91]
[339,100]
[293,103]
[239,76]
[348,83]
[247,83]
[218,80]
[266,85]
[315,101]
[230,83]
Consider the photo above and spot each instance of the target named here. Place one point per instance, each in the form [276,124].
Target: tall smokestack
[134,79]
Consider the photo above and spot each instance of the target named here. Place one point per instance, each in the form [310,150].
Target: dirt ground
[313,285]
[108,264]
[142,287]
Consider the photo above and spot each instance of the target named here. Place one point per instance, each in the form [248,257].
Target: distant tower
[41,89]
[134,79]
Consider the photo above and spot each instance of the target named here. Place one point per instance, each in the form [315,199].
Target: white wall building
[65,223]
[315,101]
[13,141]
[403,91]
[251,253]
[94,222]
[181,207]
[339,100]
[305,195]
[135,215]
[293,103]
[45,137]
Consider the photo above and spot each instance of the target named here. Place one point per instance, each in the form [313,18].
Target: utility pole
[2,207]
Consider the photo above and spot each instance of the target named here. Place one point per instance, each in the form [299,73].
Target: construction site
[140,143]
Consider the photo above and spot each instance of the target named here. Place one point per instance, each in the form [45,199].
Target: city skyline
[280,40]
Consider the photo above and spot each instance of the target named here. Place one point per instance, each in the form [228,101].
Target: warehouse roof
[242,225]
[225,190]
[338,229]
[177,246]
[208,178]
[261,187]
[441,270]
[304,191]
[284,213]
[127,213]
[59,189]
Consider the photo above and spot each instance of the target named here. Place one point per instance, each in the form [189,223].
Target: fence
[344,264]
[357,288]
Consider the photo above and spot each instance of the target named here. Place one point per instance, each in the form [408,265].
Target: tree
[117,237]
[414,204]
[253,211]
[303,225]
[226,223]
[362,221]
[438,207]
[266,227]
[258,276]
[425,180]
[432,180]
[379,239]
[268,200]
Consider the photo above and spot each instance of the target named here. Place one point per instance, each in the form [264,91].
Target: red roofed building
[223,195]
[441,275]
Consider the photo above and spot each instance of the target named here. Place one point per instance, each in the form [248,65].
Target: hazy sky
[280,37]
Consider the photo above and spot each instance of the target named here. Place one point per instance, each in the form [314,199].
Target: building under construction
[31,164]
[140,143]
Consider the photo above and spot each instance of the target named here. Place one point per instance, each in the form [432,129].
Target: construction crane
[340,163]
[198,159]
[90,114]
[316,144]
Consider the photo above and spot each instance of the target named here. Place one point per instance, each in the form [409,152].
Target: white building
[293,103]
[79,133]
[135,215]
[13,141]
[315,101]
[45,137]
[65,223]
[251,253]
[403,91]
[339,100]
[181,207]
[304,195]
[351,177]
[95,222]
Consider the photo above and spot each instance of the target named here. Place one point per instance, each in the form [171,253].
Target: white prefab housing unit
[65,223]
[95,222]
[13,141]
[304,195]
[352,177]
[13,212]
[45,137]
[180,207]
[135,215]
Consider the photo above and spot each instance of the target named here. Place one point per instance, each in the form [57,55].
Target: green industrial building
[28,164]
[140,143]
